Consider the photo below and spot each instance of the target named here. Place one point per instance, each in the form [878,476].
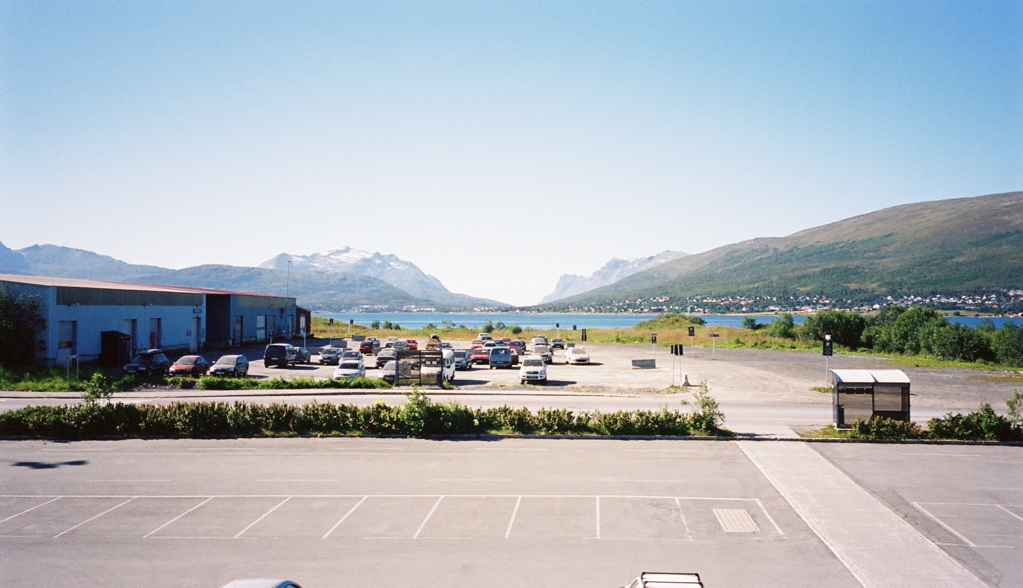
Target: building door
[155,333]
[236,333]
[67,341]
[193,342]
[261,327]
[131,328]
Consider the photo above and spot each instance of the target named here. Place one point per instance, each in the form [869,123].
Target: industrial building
[93,321]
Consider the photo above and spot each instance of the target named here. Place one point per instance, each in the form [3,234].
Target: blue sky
[496,145]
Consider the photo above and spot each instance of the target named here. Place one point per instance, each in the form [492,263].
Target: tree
[750,323]
[845,328]
[904,333]
[19,321]
[783,327]
[955,341]
[1008,345]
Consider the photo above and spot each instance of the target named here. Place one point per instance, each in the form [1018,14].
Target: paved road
[338,512]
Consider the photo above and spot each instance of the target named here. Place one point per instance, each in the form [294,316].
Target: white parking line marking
[338,524]
[511,449]
[95,517]
[469,480]
[598,517]
[942,523]
[682,515]
[943,454]
[659,450]
[253,524]
[147,535]
[1012,514]
[512,521]
[769,517]
[30,509]
[124,481]
[292,480]
[432,510]
[75,449]
[633,481]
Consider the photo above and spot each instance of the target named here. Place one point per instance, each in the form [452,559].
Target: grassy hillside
[948,246]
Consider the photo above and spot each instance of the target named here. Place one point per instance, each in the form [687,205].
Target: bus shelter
[865,394]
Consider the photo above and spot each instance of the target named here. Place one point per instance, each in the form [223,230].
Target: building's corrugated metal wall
[106,297]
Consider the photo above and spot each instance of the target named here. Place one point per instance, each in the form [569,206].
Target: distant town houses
[1009,302]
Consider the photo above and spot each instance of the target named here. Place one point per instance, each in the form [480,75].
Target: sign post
[692,333]
[713,338]
[828,351]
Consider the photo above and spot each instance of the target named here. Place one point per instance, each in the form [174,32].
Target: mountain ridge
[956,245]
[611,272]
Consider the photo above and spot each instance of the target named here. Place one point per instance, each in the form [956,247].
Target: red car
[190,365]
[412,344]
[481,355]
[368,346]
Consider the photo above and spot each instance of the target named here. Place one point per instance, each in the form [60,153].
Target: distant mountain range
[338,280]
[612,272]
[401,274]
[966,245]
[948,246]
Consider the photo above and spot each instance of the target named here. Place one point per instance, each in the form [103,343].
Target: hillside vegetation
[948,246]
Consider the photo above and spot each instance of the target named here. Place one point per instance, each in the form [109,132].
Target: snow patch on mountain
[613,271]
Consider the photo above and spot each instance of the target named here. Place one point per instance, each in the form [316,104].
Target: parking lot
[338,512]
[515,512]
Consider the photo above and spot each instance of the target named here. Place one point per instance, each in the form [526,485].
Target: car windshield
[533,362]
[350,365]
[227,360]
[187,360]
[500,351]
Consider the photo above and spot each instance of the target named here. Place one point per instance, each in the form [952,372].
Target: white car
[350,354]
[576,355]
[533,369]
[350,368]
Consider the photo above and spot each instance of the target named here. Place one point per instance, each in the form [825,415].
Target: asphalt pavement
[513,512]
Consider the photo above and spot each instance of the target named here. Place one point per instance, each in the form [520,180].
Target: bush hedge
[982,425]
[418,417]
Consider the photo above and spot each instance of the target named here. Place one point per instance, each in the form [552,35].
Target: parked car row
[154,362]
[487,351]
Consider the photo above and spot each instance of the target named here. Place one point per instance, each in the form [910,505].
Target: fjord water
[476,320]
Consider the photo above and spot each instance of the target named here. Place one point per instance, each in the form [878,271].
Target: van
[500,357]
[280,355]
[447,366]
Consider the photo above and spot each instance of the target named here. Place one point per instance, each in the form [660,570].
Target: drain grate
[735,520]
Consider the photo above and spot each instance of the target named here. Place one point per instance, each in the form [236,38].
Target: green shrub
[884,428]
[222,383]
[555,421]
[1015,406]
[982,425]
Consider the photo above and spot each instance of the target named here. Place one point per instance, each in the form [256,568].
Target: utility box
[865,394]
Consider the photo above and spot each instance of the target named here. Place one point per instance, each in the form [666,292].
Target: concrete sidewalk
[875,544]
